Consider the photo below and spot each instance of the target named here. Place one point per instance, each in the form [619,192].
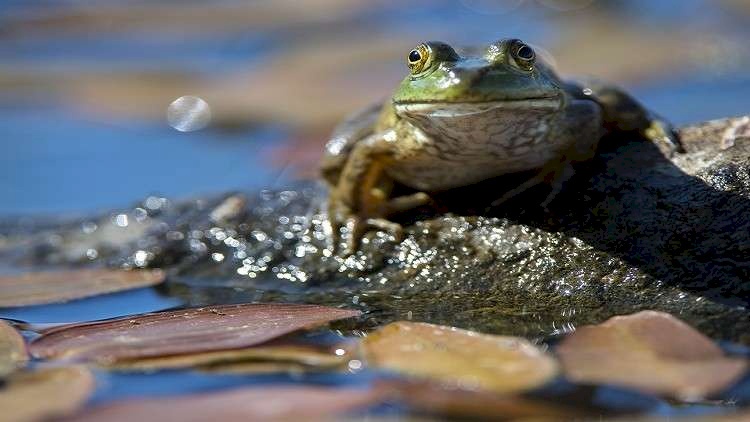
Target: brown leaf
[247,404]
[293,356]
[13,354]
[181,332]
[650,351]
[426,397]
[113,18]
[732,415]
[46,393]
[259,367]
[60,286]
[459,358]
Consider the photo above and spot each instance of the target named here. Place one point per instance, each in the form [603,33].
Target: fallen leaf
[181,332]
[116,18]
[45,393]
[259,367]
[459,358]
[13,354]
[293,356]
[425,397]
[650,351]
[732,415]
[60,286]
[247,404]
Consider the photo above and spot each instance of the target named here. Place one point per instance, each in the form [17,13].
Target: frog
[458,119]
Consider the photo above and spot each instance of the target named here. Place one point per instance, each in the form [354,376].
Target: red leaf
[60,286]
[247,404]
[181,332]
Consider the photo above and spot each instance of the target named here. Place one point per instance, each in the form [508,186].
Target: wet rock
[632,231]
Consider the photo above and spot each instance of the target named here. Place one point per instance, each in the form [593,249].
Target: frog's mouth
[455,109]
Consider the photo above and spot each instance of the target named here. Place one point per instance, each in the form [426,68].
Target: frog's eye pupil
[415,56]
[525,52]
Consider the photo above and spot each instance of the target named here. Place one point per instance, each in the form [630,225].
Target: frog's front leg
[361,198]
[623,113]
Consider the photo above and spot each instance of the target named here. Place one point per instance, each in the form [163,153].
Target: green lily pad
[13,354]
[181,332]
[60,286]
[649,351]
[45,393]
[459,358]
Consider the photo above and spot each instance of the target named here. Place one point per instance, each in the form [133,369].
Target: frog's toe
[356,228]
[406,203]
[394,229]
[344,222]
[338,217]
[664,136]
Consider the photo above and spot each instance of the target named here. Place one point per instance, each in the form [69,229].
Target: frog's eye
[523,55]
[419,59]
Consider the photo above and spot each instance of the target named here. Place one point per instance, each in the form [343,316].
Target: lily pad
[266,358]
[650,351]
[60,286]
[247,404]
[13,354]
[46,393]
[459,358]
[181,332]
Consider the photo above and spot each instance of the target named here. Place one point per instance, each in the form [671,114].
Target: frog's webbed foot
[555,177]
[663,135]
[360,200]
[523,187]
[622,112]
[343,220]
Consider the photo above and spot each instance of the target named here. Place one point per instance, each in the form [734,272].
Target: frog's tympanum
[459,119]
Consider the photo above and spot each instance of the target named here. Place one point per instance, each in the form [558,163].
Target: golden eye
[523,55]
[419,59]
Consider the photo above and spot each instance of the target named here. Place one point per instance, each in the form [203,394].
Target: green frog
[458,119]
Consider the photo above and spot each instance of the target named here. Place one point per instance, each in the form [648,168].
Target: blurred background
[85,86]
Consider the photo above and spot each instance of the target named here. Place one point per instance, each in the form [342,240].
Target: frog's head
[505,75]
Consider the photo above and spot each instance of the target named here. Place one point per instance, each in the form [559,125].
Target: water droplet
[89,227]
[121,220]
[140,258]
[188,113]
[355,365]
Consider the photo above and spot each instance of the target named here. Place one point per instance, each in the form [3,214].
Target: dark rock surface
[632,231]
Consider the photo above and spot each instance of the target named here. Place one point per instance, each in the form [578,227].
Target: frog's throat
[446,109]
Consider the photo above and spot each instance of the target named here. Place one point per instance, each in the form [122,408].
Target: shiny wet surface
[60,159]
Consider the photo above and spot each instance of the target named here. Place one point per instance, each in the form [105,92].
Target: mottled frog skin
[458,119]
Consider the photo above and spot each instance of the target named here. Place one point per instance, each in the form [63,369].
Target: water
[58,158]
[55,161]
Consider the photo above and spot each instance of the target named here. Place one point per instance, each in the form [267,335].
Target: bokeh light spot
[188,113]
